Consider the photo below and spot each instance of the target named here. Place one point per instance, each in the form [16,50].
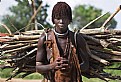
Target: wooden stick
[9,47]
[35,49]
[9,31]
[117,10]
[99,59]
[18,49]
[26,41]
[98,75]
[22,37]
[33,16]
[93,21]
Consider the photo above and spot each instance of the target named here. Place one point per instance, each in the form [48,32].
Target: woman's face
[61,24]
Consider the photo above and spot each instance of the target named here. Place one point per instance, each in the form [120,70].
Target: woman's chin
[61,27]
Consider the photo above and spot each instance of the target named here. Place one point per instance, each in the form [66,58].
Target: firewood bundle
[18,51]
[105,47]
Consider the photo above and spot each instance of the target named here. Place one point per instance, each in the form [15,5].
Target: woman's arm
[83,52]
[42,64]
[41,57]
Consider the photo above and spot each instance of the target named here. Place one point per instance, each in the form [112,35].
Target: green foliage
[83,14]
[21,14]
[5,73]
[34,76]
[97,80]
[31,76]
[113,72]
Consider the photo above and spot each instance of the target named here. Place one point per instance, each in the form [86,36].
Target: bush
[31,76]
[8,72]
[5,73]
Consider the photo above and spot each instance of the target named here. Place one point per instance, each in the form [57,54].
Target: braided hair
[61,10]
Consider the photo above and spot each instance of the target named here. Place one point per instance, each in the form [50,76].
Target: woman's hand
[60,63]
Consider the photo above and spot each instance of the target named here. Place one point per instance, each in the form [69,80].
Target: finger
[64,65]
[63,68]
[59,62]
[59,58]
[58,67]
[65,61]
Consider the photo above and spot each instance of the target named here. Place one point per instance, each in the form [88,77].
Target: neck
[60,34]
[60,30]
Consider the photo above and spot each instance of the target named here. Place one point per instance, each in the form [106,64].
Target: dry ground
[19,80]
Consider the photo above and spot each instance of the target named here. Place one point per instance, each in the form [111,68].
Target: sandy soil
[19,80]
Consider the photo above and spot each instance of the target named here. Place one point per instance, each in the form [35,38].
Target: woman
[57,57]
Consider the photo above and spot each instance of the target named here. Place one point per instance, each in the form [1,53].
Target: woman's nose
[60,21]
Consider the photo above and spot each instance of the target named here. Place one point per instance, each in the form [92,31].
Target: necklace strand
[60,34]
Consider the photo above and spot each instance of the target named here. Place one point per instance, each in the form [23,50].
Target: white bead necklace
[60,34]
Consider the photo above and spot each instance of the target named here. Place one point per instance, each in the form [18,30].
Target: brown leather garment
[68,75]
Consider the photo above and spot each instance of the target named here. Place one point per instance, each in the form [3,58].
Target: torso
[70,74]
[62,43]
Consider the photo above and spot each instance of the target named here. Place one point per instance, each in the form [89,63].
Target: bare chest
[62,43]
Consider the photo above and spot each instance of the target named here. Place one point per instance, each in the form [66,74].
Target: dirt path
[19,80]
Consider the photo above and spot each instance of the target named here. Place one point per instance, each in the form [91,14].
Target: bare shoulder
[42,37]
[80,36]
[80,39]
[40,48]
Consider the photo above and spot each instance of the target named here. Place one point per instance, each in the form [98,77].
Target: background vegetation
[23,11]
[21,14]
[7,72]
[83,14]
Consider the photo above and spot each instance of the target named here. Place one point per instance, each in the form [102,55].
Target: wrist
[52,66]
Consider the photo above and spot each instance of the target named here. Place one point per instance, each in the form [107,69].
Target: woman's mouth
[60,25]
